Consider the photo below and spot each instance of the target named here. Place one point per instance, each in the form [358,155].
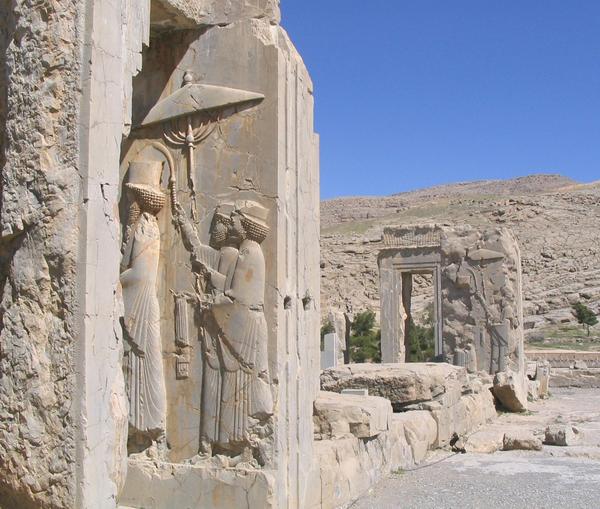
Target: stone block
[485,441]
[420,431]
[403,384]
[511,391]
[561,434]
[178,14]
[329,354]
[521,440]
[461,417]
[357,392]
[338,415]
[153,485]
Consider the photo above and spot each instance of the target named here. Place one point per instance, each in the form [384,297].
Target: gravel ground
[514,479]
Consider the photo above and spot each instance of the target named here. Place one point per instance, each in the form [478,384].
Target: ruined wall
[40,186]
[65,106]
[477,293]
[482,299]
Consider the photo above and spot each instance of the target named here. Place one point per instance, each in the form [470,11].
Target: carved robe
[245,391]
[211,358]
[144,363]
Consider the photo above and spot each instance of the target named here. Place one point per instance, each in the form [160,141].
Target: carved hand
[222,299]
[179,213]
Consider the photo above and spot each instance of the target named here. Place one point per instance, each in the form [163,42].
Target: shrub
[365,341]
[585,316]
[421,338]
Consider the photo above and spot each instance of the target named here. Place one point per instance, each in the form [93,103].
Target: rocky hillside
[555,219]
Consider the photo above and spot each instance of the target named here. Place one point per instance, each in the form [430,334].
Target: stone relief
[143,357]
[236,399]
[231,354]
[479,292]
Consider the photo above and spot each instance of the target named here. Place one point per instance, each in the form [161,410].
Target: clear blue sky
[415,93]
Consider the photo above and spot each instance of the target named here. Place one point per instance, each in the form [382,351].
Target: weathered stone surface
[336,415]
[511,391]
[403,384]
[521,440]
[561,434]
[485,441]
[169,14]
[346,468]
[582,378]
[65,81]
[463,417]
[420,431]
[160,485]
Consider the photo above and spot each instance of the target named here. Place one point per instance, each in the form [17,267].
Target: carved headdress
[144,181]
[254,219]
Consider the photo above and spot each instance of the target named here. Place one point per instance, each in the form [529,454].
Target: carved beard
[253,230]
[218,236]
[236,235]
[149,200]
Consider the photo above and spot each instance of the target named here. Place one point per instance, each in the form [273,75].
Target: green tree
[422,338]
[365,341]
[585,316]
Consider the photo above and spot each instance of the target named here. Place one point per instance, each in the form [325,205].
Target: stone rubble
[511,391]
[561,434]
[521,440]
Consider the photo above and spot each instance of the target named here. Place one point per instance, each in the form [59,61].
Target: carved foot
[244,460]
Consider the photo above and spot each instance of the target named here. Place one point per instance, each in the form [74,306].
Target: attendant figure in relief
[236,391]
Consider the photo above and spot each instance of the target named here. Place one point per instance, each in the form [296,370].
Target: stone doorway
[420,311]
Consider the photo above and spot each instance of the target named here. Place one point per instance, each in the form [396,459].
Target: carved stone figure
[245,395]
[143,357]
[236,392]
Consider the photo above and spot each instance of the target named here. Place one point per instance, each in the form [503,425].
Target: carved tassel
[181,321]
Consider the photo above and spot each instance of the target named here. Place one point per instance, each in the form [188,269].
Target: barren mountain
[555,219]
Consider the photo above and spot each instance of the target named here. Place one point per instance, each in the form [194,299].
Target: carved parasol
[190,115]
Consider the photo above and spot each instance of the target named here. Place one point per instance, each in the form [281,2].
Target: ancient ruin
[160,241]
[160,277]
[478,311]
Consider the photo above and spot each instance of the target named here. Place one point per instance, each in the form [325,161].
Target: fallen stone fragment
[338,415]
[403,384]
[561,434]
[510,392]
[485,441]
[521,440]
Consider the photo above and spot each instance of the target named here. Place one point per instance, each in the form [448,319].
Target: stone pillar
[329,354]
[392,311]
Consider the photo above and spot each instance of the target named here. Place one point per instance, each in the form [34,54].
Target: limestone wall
[65,107]
[267,153]
[41,179]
